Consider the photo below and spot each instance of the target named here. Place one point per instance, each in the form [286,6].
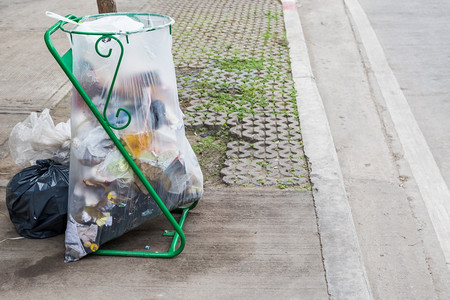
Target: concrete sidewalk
[244,242]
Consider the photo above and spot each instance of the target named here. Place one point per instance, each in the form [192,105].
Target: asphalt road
[415,36]
[398,209]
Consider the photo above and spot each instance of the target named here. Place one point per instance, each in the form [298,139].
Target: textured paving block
[233,70]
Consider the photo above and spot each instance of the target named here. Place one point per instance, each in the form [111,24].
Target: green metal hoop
[169,24]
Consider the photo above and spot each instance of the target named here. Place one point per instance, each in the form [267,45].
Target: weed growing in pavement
[232,82]
[210,148]
[304,188]
[224,97]
[282,186]
[235,64]
[263,164]
[270,16]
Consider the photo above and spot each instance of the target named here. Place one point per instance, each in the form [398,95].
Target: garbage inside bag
[36,198]
[106,198]
[37,137]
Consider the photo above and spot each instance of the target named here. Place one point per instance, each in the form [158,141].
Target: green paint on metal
[67,60]
[168,233]
[108,98]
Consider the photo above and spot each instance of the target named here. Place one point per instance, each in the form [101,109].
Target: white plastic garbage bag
[38,138]
[116,23]
[106,197]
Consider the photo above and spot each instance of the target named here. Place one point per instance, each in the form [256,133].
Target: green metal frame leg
[173,251]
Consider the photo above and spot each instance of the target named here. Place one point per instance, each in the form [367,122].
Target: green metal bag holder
[65,62]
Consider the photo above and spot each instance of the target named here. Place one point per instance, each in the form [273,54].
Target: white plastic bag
[106,198]
[111,24]
[37,137]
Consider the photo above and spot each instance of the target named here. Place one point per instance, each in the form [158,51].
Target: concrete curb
[344,267]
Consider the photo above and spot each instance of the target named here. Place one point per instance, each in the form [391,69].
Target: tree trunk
[106,6]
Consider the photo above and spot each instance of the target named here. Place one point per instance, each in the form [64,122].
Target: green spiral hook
[113,81]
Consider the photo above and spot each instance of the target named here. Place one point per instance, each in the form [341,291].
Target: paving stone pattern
[233,71]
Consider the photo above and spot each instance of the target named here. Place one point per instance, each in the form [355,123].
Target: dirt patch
[210,148]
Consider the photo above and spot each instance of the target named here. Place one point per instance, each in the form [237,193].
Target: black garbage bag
[36,198]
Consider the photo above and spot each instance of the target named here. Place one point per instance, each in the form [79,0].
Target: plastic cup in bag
[137,143]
